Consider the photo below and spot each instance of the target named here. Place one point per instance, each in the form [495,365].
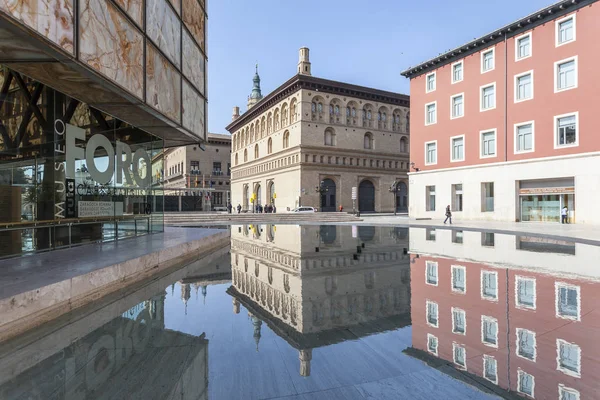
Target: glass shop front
[543,200]
[70,174]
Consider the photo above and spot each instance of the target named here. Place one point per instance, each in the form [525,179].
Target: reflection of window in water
[567,298]
[366,233]
[328,233]
[544,245]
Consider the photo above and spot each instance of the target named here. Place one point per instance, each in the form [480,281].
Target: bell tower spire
[256,94]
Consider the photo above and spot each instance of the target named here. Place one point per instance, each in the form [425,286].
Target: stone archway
[257,194]
[246,198]
[328,198]
[366,196]
[271,192]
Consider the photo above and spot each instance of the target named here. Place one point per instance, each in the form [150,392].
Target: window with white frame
[525,288]
[568,357]
[432,344]
[458,109]
[565,30]
[459,324]
[525,383]
[568,302]
[489,331]
[565,72]
[488,97]
[490,368]
[489,285]
[459,279]
[566,130]
[458,148]
[431,153]
[459,355]
[487,60]
[457,72]
[524,86]
[565,393]
[488,143]
[430,114]
[524,138]
[523,47]
[432,313]
[430,82]
[431,273]
[526,344]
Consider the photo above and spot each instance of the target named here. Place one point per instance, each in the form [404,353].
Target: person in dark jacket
[448,215]
[239,208]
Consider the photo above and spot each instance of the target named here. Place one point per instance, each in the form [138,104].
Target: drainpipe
[505,99]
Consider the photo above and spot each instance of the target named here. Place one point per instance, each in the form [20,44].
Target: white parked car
[304,210]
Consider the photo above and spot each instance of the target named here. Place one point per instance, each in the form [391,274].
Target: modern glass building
[91,91]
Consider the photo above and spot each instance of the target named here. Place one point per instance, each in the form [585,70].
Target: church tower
[256,95]
[304,62]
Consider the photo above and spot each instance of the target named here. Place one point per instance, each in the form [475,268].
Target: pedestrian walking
[564,213]
[229,208]
[239,208]
[448,215]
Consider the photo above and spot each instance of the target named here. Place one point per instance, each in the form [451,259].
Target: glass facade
[70,174]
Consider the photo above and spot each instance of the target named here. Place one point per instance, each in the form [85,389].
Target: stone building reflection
[312,285]
[512,310]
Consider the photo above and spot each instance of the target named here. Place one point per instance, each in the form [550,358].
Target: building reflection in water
[317,286]
[516,311]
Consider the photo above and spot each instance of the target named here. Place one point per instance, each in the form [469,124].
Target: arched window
[330,109]
[379,116]
[236,159]
[336,110]
[348,111]
[407,121]
[263,127]
[369,115]
[284,115]
[368,142]
[384,117]
[270,146]
[320,108]
[313,107]
[403,145]
[233,142]
[246,155]
[329,137]
[255,151]
[353,112]
[293,110]
[286,139]
[276,120]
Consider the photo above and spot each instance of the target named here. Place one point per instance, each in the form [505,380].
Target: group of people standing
[260,209]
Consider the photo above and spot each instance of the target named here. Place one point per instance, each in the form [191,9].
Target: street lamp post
[321,188]
[394,189]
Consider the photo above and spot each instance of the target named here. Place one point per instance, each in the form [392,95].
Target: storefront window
[70,174]
[540,208]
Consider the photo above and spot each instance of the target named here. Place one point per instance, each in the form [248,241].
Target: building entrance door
[366,196]
[402,198]
[328,203]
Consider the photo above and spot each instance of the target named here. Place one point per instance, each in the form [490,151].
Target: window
[457,109]
[256,154]
[286,140]
[458,321]
[457,72]
[432,314]
[432,344]
[430,113]
[525,383]
[431,274]
[565,393]
[489,331]
[565,74]
[368,141]
[404,145]
[524,86]
[431,153]
[487,61]
[459,279]
[457,197]
[459,355]
[488,97]
[566,128]
[458,148]
[567,301]
[430,82]
[488,143]
[329,137]
[487,196]
[430,234]
[270,146]
[490,369]
[246,155]
[489,285]
[457,237]
[430,198]
[568,357]
[525,288]
[487,239]
[565,30]
[523,47]
[526,346]
[524,139]
[194,166]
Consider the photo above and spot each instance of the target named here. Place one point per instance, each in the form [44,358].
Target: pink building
[528,332]
[503,126]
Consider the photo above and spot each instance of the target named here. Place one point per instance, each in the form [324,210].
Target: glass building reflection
[317,286]
[515,311]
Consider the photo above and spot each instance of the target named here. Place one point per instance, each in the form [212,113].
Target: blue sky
[367,43]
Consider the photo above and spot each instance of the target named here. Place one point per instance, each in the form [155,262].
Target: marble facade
[193,62]
[52,19]
[193,109]
[133,8]
[163,85]
[194,19]
[163,27]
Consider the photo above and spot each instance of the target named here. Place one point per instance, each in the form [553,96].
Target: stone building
[311,140]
